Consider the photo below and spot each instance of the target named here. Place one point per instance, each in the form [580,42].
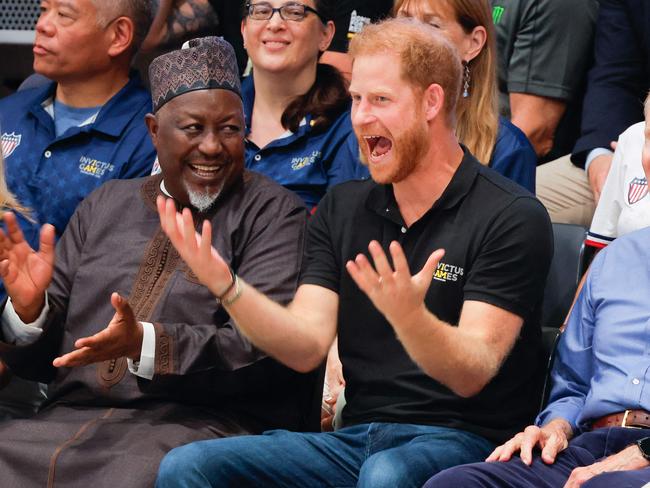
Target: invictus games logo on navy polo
[637,190]
[9,143]
[447,272]
[93,167]
[302,162]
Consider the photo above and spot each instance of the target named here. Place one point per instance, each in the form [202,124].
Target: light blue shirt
[603,359]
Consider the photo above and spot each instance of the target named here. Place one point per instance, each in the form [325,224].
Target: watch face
[644,446]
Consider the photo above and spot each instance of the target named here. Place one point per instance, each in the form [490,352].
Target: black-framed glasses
[293,11]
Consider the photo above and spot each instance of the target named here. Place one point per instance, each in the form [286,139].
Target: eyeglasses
[293,11]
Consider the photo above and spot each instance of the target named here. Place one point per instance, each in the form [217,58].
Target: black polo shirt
[498,243]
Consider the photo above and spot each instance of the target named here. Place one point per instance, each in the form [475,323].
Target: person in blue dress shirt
[297,114]
[592,433]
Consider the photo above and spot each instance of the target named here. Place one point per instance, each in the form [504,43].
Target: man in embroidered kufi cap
[139,355]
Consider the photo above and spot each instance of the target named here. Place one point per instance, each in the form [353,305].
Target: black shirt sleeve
[321,263]
[510,270]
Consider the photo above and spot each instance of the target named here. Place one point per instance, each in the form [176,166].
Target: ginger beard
[390,159]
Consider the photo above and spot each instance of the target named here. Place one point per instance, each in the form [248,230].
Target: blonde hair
[478,114]
[7,199]
[426,56]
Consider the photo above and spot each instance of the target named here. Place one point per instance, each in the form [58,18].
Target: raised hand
[25,272]
[196,250]
[551,438]
[395,293]
[121,338]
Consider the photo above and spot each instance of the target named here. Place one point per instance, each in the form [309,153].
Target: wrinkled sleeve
[515,256]
[514,157]
[552,48]
[270,262]
[573,366]
[603,228]
[34,361]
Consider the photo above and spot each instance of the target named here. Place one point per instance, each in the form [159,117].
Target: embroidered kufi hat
[201,64]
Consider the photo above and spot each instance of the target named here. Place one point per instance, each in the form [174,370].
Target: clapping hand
[25,272]
[121,338]
[196,250]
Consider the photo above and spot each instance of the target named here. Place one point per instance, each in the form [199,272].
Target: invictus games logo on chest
[447,272]
[303,162]
[92,167]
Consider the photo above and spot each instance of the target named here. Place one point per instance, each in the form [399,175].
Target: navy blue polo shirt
[307,162]
[513,155]
[51,174]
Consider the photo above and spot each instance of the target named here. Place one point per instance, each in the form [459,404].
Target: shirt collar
[381,198]
[113,117]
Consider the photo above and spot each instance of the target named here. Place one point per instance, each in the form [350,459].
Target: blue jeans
[373,455]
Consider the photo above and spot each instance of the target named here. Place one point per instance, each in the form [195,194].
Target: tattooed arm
[178,20]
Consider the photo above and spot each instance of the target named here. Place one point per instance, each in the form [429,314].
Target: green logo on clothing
[497,13]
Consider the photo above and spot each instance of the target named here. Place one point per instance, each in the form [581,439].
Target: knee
[386,471]
[181,467]
[452,477]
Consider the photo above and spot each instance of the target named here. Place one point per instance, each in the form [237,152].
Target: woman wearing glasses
[298,124]
[492,139]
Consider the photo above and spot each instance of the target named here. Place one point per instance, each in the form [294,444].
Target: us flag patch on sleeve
[637,190]
[9,143]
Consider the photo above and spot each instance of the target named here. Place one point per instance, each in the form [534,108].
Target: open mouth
[378,147]
[205,171]
[275,44]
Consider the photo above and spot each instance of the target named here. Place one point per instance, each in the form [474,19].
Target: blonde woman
[492,139]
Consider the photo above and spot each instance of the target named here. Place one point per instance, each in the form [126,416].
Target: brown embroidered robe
[103,425]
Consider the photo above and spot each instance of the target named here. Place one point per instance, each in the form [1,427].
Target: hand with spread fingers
[196,250]
[121,338]
[25,272]
[394,292]
[551,439]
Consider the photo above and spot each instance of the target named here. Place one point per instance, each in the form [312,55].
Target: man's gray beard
[202,201]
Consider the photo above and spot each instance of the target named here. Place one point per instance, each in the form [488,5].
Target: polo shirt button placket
[47,154]
[404,229]
[257,157]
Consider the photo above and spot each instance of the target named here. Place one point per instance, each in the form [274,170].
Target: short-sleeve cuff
[144,368]
[18,332]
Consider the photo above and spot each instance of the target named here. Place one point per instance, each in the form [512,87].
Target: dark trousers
[583,450]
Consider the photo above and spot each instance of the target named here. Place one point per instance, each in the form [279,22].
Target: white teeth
[200,167]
